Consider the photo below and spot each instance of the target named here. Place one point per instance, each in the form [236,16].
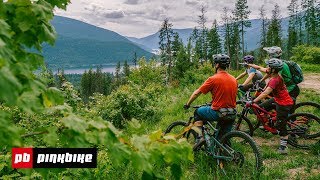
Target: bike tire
[304,130]
[308,107]
[247,157]
[177,127]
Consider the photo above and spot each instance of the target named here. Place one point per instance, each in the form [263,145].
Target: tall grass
[296,165]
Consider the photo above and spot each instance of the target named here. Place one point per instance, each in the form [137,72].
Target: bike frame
[215,143]
[271,116]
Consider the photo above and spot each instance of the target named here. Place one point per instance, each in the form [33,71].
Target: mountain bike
[235,150]
[303,128]
[255,91]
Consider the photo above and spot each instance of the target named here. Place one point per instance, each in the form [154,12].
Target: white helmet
[274,51]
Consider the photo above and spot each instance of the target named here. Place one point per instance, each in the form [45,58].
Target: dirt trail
[311,81]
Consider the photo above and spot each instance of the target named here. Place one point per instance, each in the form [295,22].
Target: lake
[108,69]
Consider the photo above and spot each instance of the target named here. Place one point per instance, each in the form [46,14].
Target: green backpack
[296,71]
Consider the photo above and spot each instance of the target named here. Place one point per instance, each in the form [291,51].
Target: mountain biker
[253,75]
[276,52]
[281,98]
[223,88]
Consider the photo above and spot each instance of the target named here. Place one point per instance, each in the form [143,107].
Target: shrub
[306,54]
[147,73]
[129,101]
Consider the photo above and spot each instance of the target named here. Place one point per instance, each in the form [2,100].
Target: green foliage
[214,41]
[147,73]
[95,82]
[306,54]
[274,29]
[129,101]
[241,15]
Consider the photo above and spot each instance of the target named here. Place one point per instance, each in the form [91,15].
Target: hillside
[80,44]
[252,35]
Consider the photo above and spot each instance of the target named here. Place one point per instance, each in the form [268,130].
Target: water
[106,69]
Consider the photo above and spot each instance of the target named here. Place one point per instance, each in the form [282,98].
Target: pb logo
[22,157]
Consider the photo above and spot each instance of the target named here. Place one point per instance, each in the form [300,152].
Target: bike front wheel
[178,130]
[246,156]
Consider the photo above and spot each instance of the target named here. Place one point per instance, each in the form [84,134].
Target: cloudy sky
[139,18]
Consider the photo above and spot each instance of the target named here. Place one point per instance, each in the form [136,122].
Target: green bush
[127,102]
[147,73]
[306,54]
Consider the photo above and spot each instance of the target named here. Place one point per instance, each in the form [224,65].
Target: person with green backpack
[291,71]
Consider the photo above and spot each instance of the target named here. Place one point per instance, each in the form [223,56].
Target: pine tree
[226,19]
[292,28]
[214,44]
[97,81]
[203,31]
[182,63]
[176,44]
[195,37]
[135,59]
[85,86]
[126,69]
[235,45]
[311,22]
[165,43]
[117,76]
[241,15]
[263,37]
[274,28]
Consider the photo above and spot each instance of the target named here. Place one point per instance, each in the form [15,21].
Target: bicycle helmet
[275,63]
[222,59]
[274,51]
[248,59]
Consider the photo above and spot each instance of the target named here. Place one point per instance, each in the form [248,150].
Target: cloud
[142,17]
[132,2]
[192,2]
[114,14]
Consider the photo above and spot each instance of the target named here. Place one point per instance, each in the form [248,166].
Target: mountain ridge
[252,35]
[80,44]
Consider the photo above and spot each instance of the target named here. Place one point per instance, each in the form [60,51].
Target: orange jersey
[223,88]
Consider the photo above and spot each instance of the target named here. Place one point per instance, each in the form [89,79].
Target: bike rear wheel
[304,130]
[247,158]
[177,129]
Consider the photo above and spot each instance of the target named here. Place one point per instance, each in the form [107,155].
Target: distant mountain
[81,45]
[252,35]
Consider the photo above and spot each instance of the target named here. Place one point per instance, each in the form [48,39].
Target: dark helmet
[275,63]
[222,59]
[248,59]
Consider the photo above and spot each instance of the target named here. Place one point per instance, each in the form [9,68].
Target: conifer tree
[117,76]
[293,26]
[176,44]
[235,45]
[135,59]
[203,31]
[274,28]
[311,22]
[214,42]
[165,43]
[126,69]
[241,15]
[263,36]
[226,19]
